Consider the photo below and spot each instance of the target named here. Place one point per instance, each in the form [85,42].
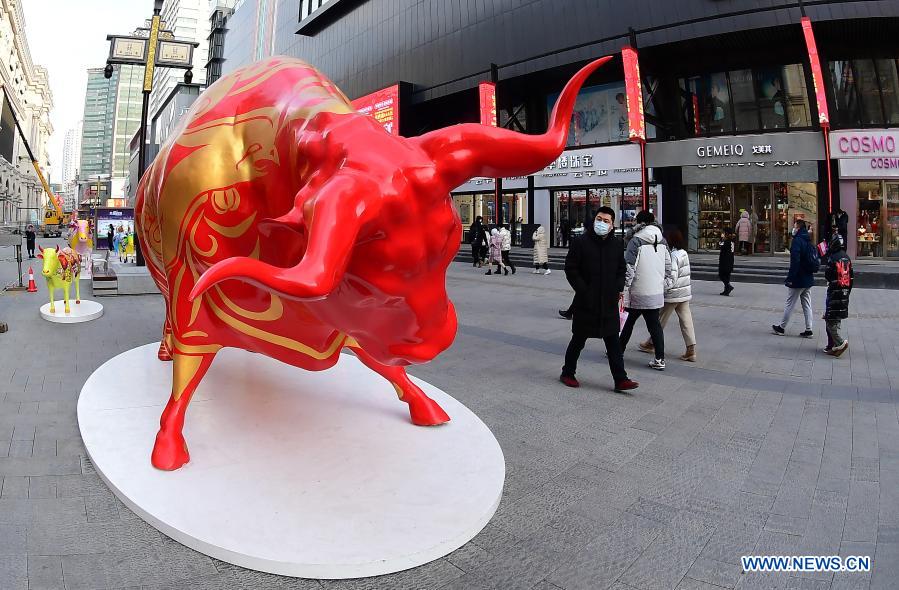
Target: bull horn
[464,151]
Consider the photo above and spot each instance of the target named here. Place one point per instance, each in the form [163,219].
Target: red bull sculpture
[280,221]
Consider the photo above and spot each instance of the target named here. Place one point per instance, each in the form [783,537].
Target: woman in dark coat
[596,270]
[840,276]
[477,237]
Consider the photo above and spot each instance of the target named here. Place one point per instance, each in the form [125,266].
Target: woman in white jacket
[678,295]
[541,251]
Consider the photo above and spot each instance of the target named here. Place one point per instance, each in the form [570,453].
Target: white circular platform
[85,311]
[316,475]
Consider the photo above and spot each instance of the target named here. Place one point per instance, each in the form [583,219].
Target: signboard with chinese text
[634,91]
[384,106]
[487,95]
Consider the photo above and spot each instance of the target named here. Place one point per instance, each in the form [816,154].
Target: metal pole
[141,168]
[19,261]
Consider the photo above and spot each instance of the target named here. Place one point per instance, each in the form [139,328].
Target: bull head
[456,153]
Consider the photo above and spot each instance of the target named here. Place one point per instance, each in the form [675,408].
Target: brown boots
[690,355]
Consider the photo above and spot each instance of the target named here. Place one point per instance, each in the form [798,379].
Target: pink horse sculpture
[82,240]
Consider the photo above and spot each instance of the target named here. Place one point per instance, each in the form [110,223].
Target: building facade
[220,12]
[188,20]
[98,123]
[126,121]
[729,102]
[252,31]
[29,100]
[71,156]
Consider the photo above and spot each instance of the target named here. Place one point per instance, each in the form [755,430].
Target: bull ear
[464,151]
[57,247]
[40,255]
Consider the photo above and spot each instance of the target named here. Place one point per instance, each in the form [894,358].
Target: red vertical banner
[636,122]
[817,75]
[487,94]
[820,99]
[697,125]
[634,92]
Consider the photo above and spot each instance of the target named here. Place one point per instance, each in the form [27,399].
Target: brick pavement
[764,446]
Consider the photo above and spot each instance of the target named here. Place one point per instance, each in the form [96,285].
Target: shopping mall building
[729,100]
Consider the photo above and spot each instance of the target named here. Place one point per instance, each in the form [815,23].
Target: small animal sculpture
[82,238]
[279,220]
[61,269]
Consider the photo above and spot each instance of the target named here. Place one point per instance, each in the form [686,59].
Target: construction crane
[55,219]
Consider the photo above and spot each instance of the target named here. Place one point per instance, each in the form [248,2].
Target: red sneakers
[569,381]
[626,385]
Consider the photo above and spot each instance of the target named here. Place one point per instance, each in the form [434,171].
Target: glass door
[891,220]
[761,214]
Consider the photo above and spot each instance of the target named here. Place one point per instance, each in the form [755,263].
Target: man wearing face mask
[804,263]
[596,270]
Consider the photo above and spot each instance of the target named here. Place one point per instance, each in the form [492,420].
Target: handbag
[622,316]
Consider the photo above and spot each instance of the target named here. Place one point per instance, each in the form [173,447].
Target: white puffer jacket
[507,239]
[648,268]
[541,249]
[680,289]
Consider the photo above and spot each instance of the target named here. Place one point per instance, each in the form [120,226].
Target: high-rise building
[128,104]
[220,12]
[98,123]
[27,96]
[251,31]
[71,156]
[189,21]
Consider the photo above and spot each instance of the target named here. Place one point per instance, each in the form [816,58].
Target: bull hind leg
[170,449]
[165,344]
[423,410]
[65,293]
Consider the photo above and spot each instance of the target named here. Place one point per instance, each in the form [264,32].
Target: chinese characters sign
[634,91]
[487,94]
[384,106]
[817,76]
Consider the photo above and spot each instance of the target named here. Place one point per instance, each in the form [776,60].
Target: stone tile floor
[765,446]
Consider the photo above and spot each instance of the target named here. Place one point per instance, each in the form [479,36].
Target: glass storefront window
[870,200]
[868,93]
[794,200]
[472,206]
[762,216]
[713,102]
[772,99]
[746,109]
[889,88]
[797,104]
[715,214]
[891,222]
[845,94]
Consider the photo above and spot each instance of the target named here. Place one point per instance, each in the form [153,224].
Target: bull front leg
[423,410]
[170,450]
[66,285]
[51,289]
[78,289]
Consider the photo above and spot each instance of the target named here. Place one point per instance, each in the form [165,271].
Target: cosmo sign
[866,154]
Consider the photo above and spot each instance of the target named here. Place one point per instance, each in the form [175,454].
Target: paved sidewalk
[765,446]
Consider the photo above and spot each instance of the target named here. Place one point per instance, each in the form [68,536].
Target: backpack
[844,280]
[810,260]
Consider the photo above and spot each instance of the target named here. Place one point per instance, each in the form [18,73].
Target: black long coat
[595,268]
[837,302]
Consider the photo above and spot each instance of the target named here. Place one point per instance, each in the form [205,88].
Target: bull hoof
[169,452]
[163,353]
[77,302]
[427,412]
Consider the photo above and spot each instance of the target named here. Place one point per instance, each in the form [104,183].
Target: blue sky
[67,37]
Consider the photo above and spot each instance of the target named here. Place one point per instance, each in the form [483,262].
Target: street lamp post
[158,49]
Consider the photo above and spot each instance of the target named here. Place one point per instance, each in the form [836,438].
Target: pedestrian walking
[30,238]
[110,237]
[596,270]
[506,247]
[564,231]
[726,260]
[648,274]
[744,232]
[495,257]
[678,296]
[804,264]
[541,251]
[477,237]
[840,276]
